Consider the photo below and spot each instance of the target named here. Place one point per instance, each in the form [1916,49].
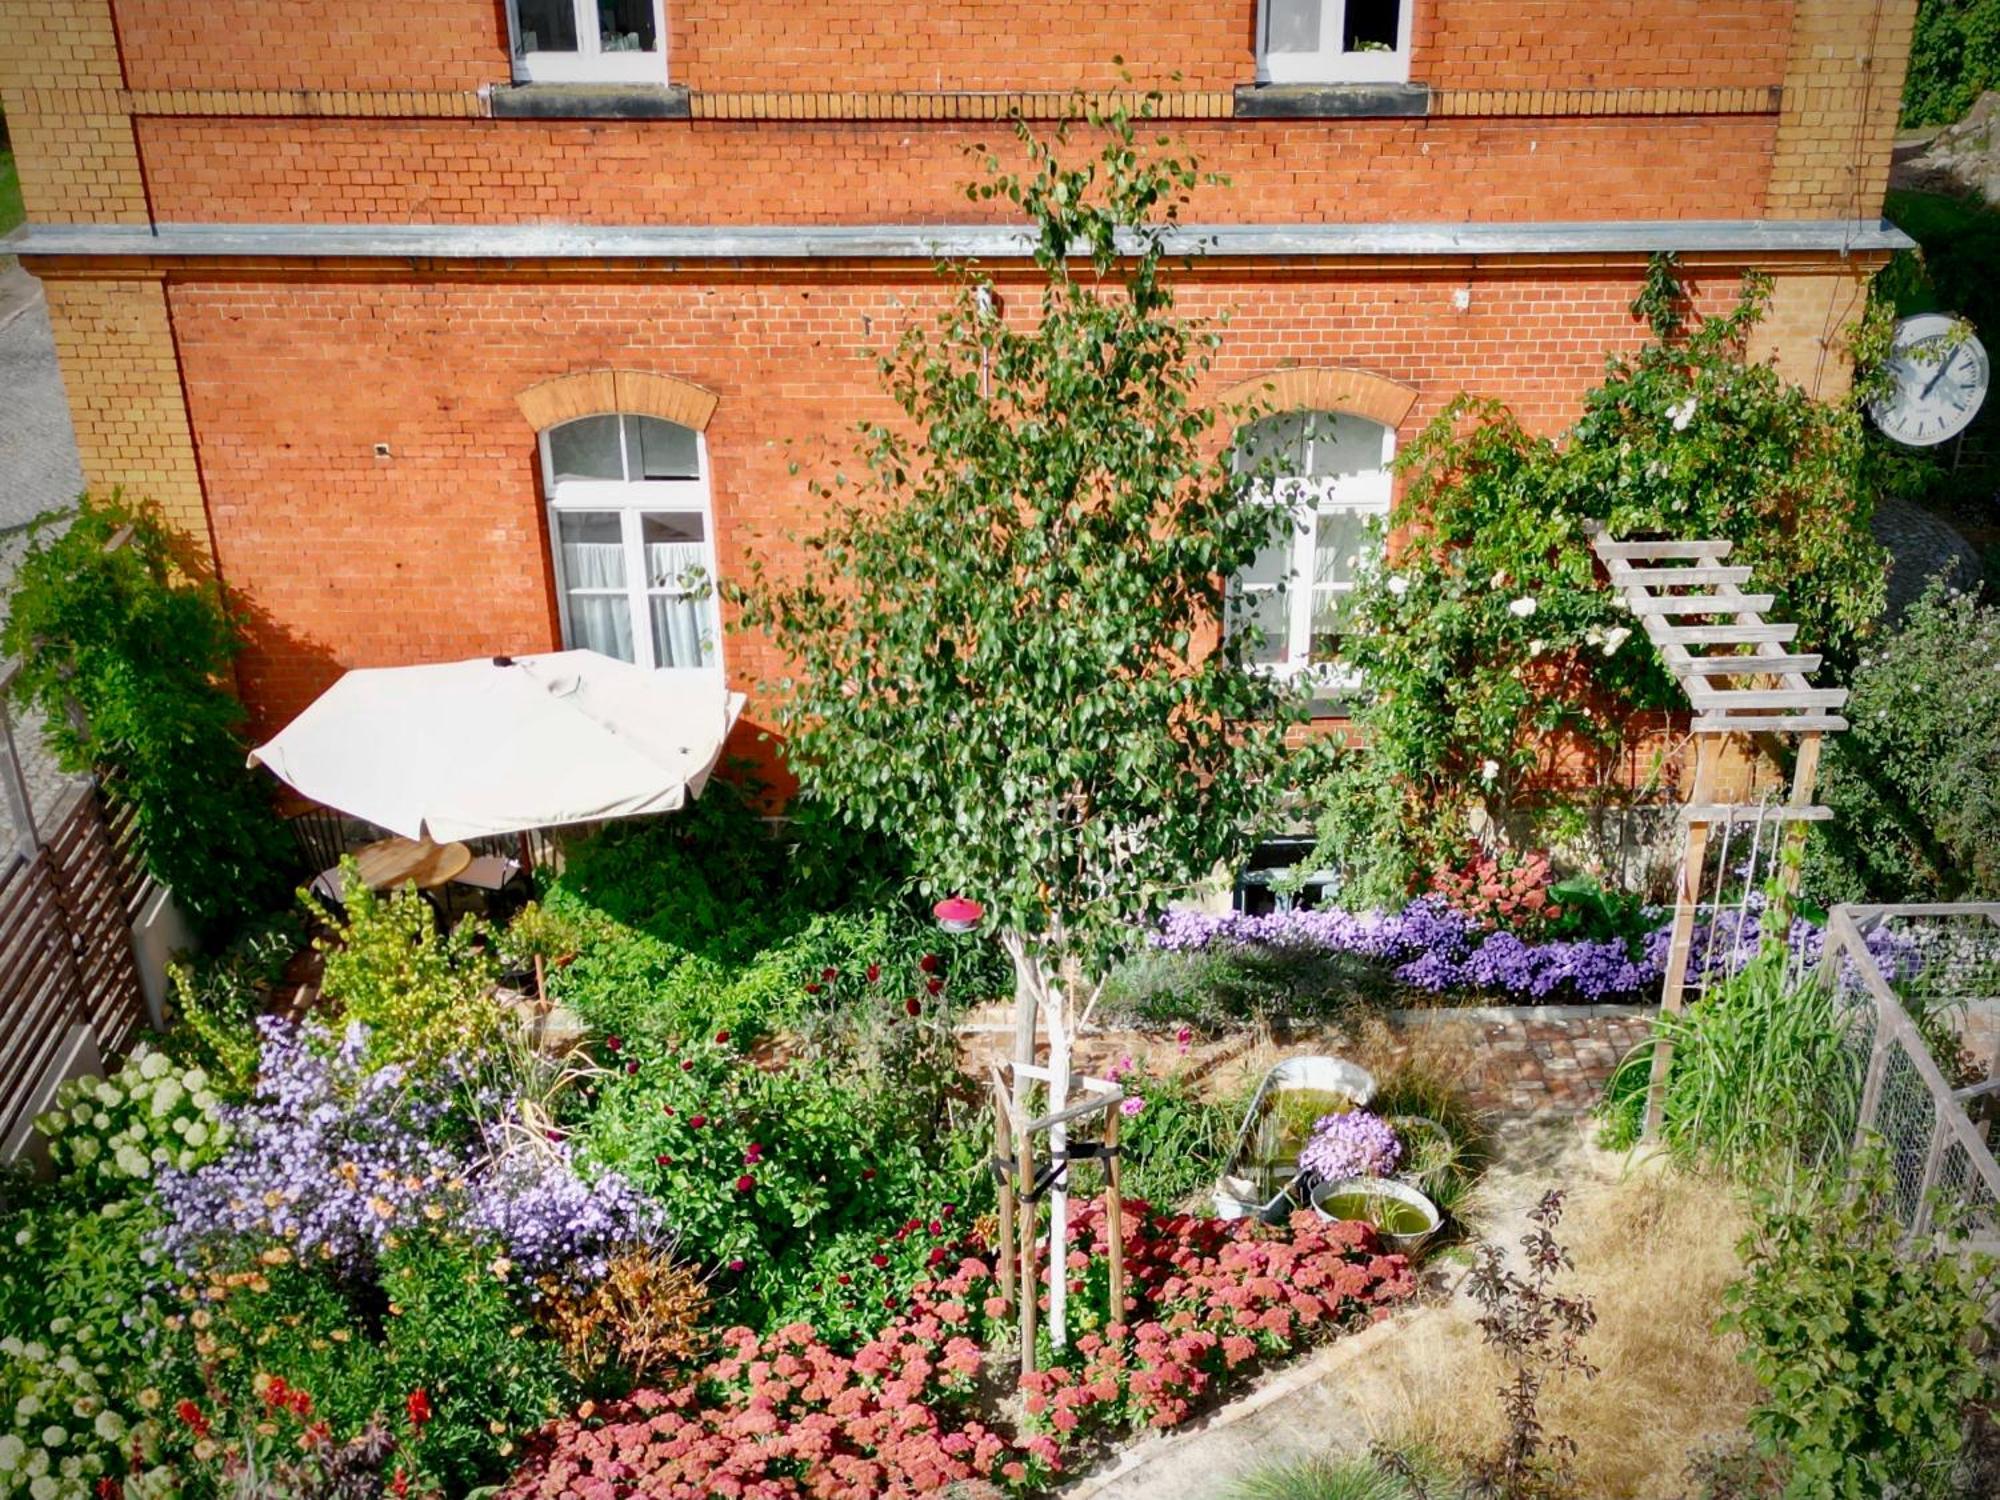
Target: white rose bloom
[1398,585]
[1536,646]
[1682,413]
[1615,638]
[1488,770]
[1523,607]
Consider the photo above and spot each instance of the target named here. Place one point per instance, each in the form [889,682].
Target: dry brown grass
[1654,1250]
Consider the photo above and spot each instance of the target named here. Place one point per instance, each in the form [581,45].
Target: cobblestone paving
[1533,1063]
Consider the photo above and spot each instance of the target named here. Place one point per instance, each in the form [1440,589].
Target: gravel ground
[39,471]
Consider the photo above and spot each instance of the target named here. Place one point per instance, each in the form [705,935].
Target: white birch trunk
[1050,998]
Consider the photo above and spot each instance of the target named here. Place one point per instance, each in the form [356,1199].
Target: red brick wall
[439,550]
[629,172]
[1534,44]
[823,45]
[313,44]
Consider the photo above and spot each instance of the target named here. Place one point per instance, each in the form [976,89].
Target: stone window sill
[590,101]
[1332,101]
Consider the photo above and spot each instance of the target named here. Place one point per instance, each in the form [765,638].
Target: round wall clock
[1940,372]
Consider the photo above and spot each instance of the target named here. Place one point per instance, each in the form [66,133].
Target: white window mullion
[645,650]
[1299,612]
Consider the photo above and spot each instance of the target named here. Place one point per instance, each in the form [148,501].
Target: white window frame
[1329,64]
[1364,494]
[630,499]
[589,63]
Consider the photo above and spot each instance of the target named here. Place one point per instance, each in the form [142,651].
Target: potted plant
[1400,1212]
[1294,1096]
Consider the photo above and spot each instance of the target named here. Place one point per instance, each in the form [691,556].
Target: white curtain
[680,618]
[598,621]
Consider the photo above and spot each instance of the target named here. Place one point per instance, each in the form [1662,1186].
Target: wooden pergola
[1741,676]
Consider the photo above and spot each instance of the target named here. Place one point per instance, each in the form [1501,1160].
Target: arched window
[1333,470]
[632,531]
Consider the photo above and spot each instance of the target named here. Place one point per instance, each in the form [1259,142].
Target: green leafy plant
[1868,1348]
[425,996]
[1954,58]
[1502,674]
[126,658]
[1916,780]
[1317,1479]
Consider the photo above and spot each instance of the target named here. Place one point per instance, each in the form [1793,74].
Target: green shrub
[1915,782]
[80,1273]
[1954,58]
[1176,1147]
[143,651]
[1228,984]
[1869,1350]
[425,996]
[1765,1070]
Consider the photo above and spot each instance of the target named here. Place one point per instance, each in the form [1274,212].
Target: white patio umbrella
[463,749]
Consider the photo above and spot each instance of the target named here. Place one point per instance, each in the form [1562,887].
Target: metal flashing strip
[485,242]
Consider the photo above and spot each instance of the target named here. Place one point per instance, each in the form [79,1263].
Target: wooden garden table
[391,863]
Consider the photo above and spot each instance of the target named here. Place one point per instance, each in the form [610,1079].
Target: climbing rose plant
[1498,662]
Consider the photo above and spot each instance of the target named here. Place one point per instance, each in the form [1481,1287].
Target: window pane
[681,630]
[1277,444]
[1370,26]
[662,450]
[675,556]
[546,25]
[1273,565]
[586,449]
[625,25]
[1340,541]
[1330,609]
[1268,609]
[1343,445]
[593,578]
[1293,26]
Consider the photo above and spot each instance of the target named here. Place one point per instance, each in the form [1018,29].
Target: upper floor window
[632,529]
[589,41]
[1332,469]
[1334,41]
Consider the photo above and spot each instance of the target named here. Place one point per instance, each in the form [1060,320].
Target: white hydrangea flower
[132,1162]
[153,1065]
[44,1486]
[12,1451]
[110,1427]
[54,1436]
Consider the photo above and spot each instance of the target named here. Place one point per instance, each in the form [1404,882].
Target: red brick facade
[341,434]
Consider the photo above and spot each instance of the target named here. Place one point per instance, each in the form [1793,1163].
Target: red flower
[914,1007]
[695,1122]
[934,985]
[874,973]
[829,975]
[418,1405]
[936,1255]
[190,1414]
[930,963]
[935,1227]
[721,1037]
[867,1174]
[843,1278]
[612,1043]
[663,1160]
[400,1485]
[738,1264]
[949,1209]
[745,1183]
[687,1065]
[878,1260]
[811,988]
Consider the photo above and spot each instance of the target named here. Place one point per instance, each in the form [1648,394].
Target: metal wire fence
[1923,984]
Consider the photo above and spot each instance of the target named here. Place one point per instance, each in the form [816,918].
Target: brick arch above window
[1361,392]
[590,393]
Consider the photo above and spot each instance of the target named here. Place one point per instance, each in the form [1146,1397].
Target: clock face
[1940,372]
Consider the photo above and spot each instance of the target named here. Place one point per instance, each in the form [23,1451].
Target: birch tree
[1006,642]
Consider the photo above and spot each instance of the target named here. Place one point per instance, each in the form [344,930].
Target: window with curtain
[589,41]
[1334,41]
[634,552]
[1331,470]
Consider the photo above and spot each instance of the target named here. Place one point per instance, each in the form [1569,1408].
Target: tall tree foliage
[126,658]
[1005,644]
